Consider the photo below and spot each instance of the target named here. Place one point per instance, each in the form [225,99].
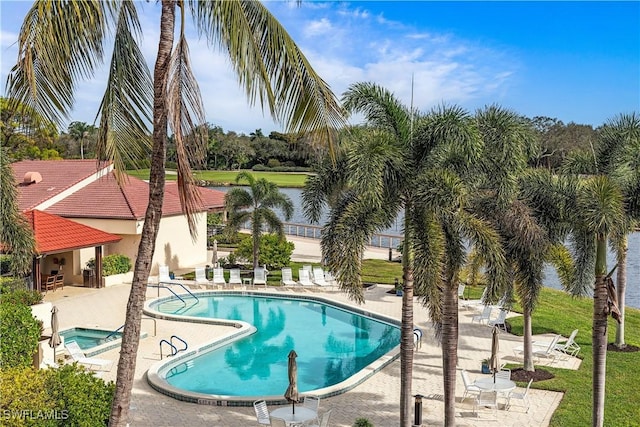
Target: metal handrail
[186,346]
[182,286]
[155,325]
[113,332]
[171,290]
[174,350]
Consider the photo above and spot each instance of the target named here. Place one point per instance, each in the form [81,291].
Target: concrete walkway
[376,399]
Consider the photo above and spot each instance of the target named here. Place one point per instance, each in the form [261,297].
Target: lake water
[551,278]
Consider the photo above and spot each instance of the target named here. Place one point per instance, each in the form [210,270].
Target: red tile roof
[102,198]
[105,199]
[55,234]
[57,176]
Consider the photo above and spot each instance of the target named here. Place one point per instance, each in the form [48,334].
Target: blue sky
[576,61]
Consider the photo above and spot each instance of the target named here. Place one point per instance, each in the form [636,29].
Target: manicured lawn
[282,179]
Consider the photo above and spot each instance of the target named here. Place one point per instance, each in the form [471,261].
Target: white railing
[315,232]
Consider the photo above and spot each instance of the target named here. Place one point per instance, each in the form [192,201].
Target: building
[86,193]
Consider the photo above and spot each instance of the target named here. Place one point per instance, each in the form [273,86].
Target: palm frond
[125,110]
[187,121]
[53,57]
[270,66]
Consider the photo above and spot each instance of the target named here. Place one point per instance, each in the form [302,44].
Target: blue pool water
[89,338]
[332,345]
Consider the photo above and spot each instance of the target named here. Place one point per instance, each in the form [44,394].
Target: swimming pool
[92,340]
[338,347]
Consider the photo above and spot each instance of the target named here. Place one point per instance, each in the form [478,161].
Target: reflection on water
[328,340]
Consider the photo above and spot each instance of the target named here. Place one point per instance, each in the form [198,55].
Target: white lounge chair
[164,277]
[201,277]
[304,278]
[218,276]
[461,287]
[318,277]
[569,347]
[484,316]
[260,276]
[520,396]
[310,270]
[90,362]
[328,277]
[500,320]
[287,277]
[549,352]
[234,277]
[474,303]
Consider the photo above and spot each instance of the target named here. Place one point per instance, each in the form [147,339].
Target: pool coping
[155,373]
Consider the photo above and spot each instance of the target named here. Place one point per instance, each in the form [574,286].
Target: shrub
[69,395]
[362,422]
[275,251]
[273,163]
[260,168]
[85,397]
[20,332]
[19,296]
[112,264]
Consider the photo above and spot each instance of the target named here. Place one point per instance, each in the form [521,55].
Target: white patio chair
[92,363]
[520,396]
[218,276]
[504,374]
[260,276]
[484,316]
[313,403]
[201,277]
[469,387]
[303,278]
[234,277]
[262,412]
[499,321]
[549,352]
[487,399]
[328,277]
[287,277]
[324,420]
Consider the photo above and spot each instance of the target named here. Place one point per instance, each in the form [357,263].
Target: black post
[390,254]
[417,410]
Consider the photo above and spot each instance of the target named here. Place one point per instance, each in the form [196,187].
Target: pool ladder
[174,350]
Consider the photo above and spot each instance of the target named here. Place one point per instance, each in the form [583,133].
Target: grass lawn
[281,179]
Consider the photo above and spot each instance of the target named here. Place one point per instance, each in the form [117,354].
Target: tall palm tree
[15,234]
[61,43]
[366,187]
[79,131]
[260,200]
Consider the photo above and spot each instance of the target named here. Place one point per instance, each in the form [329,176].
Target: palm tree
[79,131]
[15,234]
[261,198]
[61,43]
[366,187]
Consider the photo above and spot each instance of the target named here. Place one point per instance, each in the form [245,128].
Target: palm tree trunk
[255,235]
[621,280]
[450,349]
[406,339]
[131,334]
[599,333]
[528,350]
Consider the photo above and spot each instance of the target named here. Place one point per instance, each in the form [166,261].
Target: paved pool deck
[376,399]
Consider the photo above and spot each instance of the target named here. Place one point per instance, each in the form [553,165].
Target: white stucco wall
[174,246]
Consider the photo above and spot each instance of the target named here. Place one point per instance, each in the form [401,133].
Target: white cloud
[317,28]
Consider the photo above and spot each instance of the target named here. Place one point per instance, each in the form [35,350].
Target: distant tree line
[28,136]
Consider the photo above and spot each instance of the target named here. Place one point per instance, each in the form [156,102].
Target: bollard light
[418,410]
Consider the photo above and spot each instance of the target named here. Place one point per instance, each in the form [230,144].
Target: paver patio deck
[376,399]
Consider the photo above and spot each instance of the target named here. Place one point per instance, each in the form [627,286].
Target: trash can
[89,278]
